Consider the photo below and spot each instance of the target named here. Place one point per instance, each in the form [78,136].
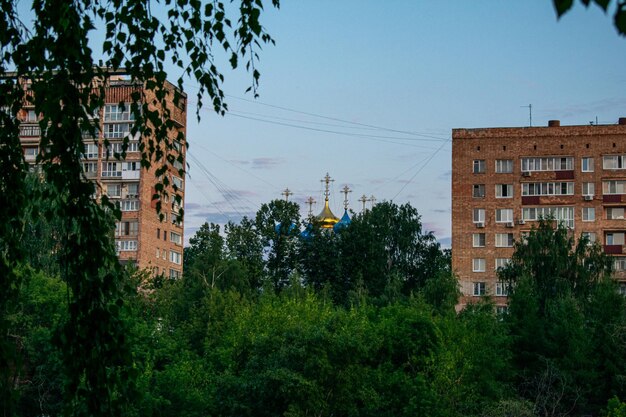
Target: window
[559,163]
[132,190]
[587,164]
[116,130]
[615,213]
[564,215]
[178,183]
[114,190]
[504,215]
[158,233]
[126,245]
[133,147]
[175,257]
[30,154]
[30,131]
[174,274]
[547,188]
[615,238]
[614,162]
[90,167]
[502,262]
[504,166]
[158,252]
[479,215]
[478,240]
[479,289]
[479,166]
[502,289]
[589,214]
[479,191]
[115,113]
[504,190]
[176,238]
[127,228]
[589,188]
[129,205]
[591,236]
[478,265]
[504,240]
[622,288]
[614,187]
[31,116]
[91,151]
[502,310]
[111,169]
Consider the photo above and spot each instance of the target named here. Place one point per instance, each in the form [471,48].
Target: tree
[53,68]
[564,312]
[387,244]
[619,18]
[278,224]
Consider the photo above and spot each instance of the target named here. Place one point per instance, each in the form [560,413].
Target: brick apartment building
[140,236]
[505,179]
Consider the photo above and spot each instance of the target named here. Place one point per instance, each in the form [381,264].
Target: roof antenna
[530,114]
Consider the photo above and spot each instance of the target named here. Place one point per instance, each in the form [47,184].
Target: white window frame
[589,214]
[614,238]
[478,240]
[479,288]
[502,289]
[478,166]
[129,205]
[126,245]
[504,166]
[586,164]
[176,238]
[478,191]
[114,113]
[615,213]
[478,265]
[611,187]
[589,188]
[91,151]
[111,169]
[504,190]
[547,188]
[504,240]
[504,215]
[478,215]
[501,263]
[591,237]
[613,162]
[563,214]
[175,257]
[550,163]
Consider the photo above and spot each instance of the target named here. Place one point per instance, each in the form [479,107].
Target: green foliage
[615,408]
[619,18]
[565,318]
[54,61]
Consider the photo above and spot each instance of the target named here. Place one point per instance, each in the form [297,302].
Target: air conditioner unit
[525,173]
[510,224]
[588,197]
[480,225]
[521,221]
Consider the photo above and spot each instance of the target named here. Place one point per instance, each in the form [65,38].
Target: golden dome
[326,218]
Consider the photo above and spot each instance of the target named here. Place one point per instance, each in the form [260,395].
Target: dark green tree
[564,310]
[52,67]
[278,224]
[619,17]
[243,243]
[386,246]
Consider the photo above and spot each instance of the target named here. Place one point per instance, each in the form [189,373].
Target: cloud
[445,211]
[445,242]
[446,176]
[260,163]
[598,106]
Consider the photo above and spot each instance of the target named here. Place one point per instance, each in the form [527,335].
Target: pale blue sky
[422,67]
[391,79]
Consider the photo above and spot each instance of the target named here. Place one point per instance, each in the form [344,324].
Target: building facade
[505,179]
[141,236]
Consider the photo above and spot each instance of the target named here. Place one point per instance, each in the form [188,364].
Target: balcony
[613,249]
[564,175]
[612,198]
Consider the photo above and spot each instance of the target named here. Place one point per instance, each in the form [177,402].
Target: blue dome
[343,222]
[278,228]
[307,232]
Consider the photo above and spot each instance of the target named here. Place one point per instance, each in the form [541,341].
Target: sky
[369,92]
